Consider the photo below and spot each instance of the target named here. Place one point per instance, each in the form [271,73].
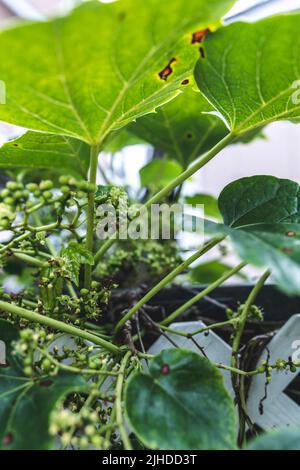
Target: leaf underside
[250,72]
[93,71]
[46,151]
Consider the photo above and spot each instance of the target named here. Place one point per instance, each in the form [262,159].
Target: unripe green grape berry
[9,201]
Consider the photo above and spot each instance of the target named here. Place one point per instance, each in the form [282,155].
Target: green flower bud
[7,216]
[63,179]
[12,185]
[32,187]
[5,193]
[46,185]
[84,292]
[47,195]
[9,201]
[18,195]
[65,189]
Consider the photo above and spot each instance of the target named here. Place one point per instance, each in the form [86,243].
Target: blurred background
[277,154]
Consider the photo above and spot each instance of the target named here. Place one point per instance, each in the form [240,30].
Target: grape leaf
[250,72]
[262,217]
[285,439]
[180,128]
[94,71]
[46,151]
[181,404]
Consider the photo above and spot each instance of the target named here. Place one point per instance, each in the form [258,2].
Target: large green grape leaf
[251,72]
[181,404]
[46,151]
[103,66]
[261,215]
[26,405]
[285,439]
[181,129]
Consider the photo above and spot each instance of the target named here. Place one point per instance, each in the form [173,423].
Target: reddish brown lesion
[167,71]
[199,36]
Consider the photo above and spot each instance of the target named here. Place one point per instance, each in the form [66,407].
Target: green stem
[167,280]
[31,261]
[91,212]
[58,325]
[75,370]
[196,166]
[203,293]
[119,410]
[235,349]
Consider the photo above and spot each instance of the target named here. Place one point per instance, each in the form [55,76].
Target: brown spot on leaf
[185,82]
[167,71]
[122,16]
[165,369]
[46,383]
[189,136]
[287,250]
[8,439]
[291,234]
[199,36]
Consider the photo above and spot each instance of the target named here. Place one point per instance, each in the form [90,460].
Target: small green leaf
[181,404]
[46,151]
[75,255]
[286,439]
[94,71]
[262,217]
[251,71]
[25,406]
[180,128]
[209,202]
[158,173]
